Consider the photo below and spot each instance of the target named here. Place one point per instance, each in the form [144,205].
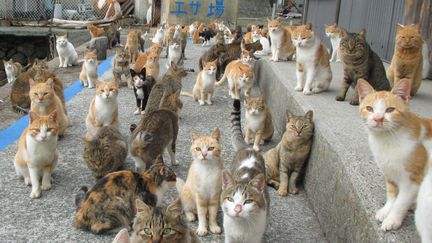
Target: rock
[41,52]
[2,54]
[11,52]
[20,57]
[26,48]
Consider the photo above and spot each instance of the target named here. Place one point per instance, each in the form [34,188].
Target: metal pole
[274,11]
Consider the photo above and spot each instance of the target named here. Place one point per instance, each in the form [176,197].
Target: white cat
[89,71]
[174,54]
[266,49]
[423,213]
[12,69]
[66,52]
[159,36]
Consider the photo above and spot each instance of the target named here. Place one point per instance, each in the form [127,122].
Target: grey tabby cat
[244,198]
[106,152]
[359,61]
[120,64]
[285,161]
[157,224]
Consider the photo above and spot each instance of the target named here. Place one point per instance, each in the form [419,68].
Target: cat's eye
[369,108]
[35,93]
[36,129]
[198,149]
[111,89]
[210,148]
[146,231]
[49,129]
[247,201]
[166,231]
[230,199]
[390,109]
[45,93]
[106,147]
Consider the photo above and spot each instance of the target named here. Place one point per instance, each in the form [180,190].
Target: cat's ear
[344,32]
[53,116]
[362,33]
[33,116]
[175,209]
[132,71]
[143,72]
[402,89]
[308,26]
[142,207]
[31,82]
[309,115]
[98,83]
[258,182]
[399,26]
[122,237]
[268,19]
[216,134]
[94,52]
[173,66]
[289,116]
[194,135]
[364,88]
[50,82]
[227,180]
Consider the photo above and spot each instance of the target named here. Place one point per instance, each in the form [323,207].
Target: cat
[95,31]
[407,61]
[239,76]
[110,203]
[44,101]
[111,8]
[181,37]
[312,61]
[258,122]
[12,69]
[89,71]
[220,38]
[42,75]
[400,143]
[248,36]
[359,61]
[122,236]
[175,54]
[152,65]
[196,37]
[285,162]
[206,35]
[192,28]
[143,85]
[37,152]
[159,36]
[423,208]
[244,199]
[201,191]
[281,44]
[103,110]
[167,223]
[257,36]
[66,52]
[142,58]
[204,85]
[157,131]
[105,152]
[120,64]
[335,35]
[112,32]
[168,36]
[133,45]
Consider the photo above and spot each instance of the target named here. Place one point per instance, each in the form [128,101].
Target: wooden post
[101,46]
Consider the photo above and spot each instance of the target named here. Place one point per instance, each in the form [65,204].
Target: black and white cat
[142,85]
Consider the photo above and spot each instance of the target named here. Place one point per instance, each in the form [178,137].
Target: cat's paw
[382,213]
[262,142]
[209,102]
[340,98]
[298,88]
[46,186]
[354,102]
[338,60]
[190,216]
[256,148]
[69,65]
[215,229]
[317,90]
[175,162]
[282,192]
[84,84]
[36,193]
[142,112]
[137,111]
[391,222]
[201,231]
[201,102]
[293,190]
[90,86]
[27,181]
[60,65]
[307,92]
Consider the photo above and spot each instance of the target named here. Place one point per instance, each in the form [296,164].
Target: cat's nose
[238,208]
[204,155]
[378,119]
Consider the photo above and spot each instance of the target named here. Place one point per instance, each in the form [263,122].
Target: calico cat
[66,52]
[400,143]
[204,85]
[110,203]
[359,61]
[335,35]
[120,64]
[142,87]
[37,152]
[206,35]
[105,152]
[407,61]
[175,54]
[239,76]
[44,101]
[158,37]
[312,61]
[244,199]
[196,37]
[154,223]
[201,191]
[89,71]
[12,69]
[258,122]
[157,131]
[280,37]
[257,35]
[133,45]
[285,162]
[142,58]
[103,110]
[152,65]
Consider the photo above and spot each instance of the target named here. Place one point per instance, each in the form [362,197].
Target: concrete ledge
[343,183]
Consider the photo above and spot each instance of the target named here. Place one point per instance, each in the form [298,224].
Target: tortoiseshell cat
[120,64]
[110,203]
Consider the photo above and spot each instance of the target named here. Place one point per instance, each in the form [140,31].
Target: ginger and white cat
[89,71]
[12,69]
[66,52]
[335,35]
[281,44]
[133,45]
[239,76]
[400,142]
[423,212]
[37,152]
[313,68]
[174,53]
[259,125]
[103,109]
[204,85]
[257,36]
[201,192]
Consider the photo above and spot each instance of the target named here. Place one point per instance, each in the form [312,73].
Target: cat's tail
[179,185]
[80,196]
[189,94]
[237,138]
[223,79]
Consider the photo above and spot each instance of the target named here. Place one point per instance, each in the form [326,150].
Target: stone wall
[254,9]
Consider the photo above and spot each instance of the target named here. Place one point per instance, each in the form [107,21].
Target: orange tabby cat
[133,45]
[89,71]
[44,101]
[281,45]
[239,75]
[95,31]
[204,86]
[400,142]
[142,58]
[407,61]
[152,65]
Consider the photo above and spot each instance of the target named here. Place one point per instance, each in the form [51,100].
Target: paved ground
[49,218]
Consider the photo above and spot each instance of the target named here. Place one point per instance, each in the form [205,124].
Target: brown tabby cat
[196,38]
[286,160]
[407,61]
[120,64]
[105,152]
[133,45]
[258,121]
[157,224]
[110,203]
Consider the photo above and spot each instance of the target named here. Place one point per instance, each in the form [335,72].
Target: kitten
[258,122]
[280,37]
[335,35]
[37,152]
[244,199]
[142,86]
[120,64]
[239,76]
[407,61]
[181,38]
[157,131]
[167,223]
[313,68]
[158,37]
[105,152]
[285,162]
[12,69]
[103,110]
[206,35]
[359,61]
[66,52]
[175,54]
[201,191]
[95,31]
[257,36]
[142,58]
[400,143]
[89,71]
[110,203]
[44,101]
[133,45]
[204,85]
[152,65]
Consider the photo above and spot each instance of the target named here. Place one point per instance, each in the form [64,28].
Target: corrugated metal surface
[322,12]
